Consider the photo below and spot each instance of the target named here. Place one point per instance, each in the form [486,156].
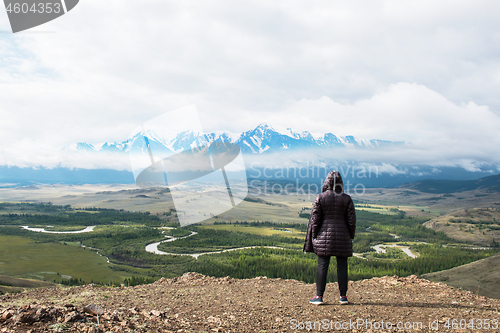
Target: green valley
[114,252]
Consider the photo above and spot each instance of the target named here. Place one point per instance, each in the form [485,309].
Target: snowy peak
[261,139]
[330,139]
[187,139]
[263,128]
[265,138]
[79,146]
[299,135]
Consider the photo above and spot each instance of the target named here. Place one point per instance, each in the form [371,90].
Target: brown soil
[196,303]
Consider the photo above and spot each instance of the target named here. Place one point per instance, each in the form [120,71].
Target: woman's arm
[351,218]
[316,218]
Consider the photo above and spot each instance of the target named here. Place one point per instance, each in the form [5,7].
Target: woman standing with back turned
[330,233]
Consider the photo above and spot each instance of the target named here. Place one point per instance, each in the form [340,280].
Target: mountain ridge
[261,139]
[442,186]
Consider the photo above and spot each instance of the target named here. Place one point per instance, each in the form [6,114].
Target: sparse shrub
[59,327]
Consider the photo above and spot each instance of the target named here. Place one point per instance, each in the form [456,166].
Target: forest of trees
[122,236]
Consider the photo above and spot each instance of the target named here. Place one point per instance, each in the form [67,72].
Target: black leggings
[323,263]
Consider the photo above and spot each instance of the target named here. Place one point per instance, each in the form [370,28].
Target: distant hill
[16,176]
[451,186]
[481,276]
[480,226]
[10,284]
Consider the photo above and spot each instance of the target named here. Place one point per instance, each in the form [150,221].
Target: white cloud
[435,128]
[425,72]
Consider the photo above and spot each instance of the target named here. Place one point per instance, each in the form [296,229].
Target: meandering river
[153,248]
[380,248]
[88,229]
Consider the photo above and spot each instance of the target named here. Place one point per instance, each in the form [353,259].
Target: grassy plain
[24,258]
[263,231]
[278,208]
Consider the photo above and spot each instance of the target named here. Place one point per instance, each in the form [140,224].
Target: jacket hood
[333,182]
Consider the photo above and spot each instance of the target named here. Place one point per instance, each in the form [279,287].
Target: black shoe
[343,300]
[316,300]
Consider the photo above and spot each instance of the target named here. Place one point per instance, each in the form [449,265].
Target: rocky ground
[196,303]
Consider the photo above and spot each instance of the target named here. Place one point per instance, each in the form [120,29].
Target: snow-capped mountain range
[262,139]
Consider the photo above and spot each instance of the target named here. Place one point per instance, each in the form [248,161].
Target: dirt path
[196,303]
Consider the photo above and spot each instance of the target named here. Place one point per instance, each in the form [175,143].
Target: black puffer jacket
[333,220]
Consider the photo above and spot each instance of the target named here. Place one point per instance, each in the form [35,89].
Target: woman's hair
[333,182]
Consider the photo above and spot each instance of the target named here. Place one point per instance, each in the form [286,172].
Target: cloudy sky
[425,72]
